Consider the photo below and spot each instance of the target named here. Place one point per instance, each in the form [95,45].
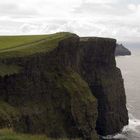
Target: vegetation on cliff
[9,134]
[19,46]
[23,46]
[60,85]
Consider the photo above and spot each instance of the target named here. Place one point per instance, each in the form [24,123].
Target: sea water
[130,67]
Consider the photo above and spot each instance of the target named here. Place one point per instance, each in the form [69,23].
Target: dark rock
[55,92]
[106,83]
[121,50]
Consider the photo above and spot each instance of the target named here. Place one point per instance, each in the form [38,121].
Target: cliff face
[68,92]
[106,83]
[121,50]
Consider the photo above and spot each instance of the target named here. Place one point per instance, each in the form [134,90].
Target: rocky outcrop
[72,91]
[121,50]
[106,83]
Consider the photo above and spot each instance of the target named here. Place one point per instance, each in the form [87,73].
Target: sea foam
[129,132]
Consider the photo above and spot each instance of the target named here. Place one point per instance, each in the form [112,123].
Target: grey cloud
[89,18]
[102,9]
[14,10]
[114,29]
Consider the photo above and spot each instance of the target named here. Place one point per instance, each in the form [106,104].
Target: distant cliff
[121,50]
[73,89]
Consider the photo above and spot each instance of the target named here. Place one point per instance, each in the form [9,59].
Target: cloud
[100,1]
[132,7]
[109,18]
[16,10]
[100,8]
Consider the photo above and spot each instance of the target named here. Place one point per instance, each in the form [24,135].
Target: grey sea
[130,67]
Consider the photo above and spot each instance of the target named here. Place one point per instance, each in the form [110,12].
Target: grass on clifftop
[22,46]
[19,46]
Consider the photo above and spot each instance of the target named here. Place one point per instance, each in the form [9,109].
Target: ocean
[130,67]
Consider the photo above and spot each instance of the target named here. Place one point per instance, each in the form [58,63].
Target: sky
[118,19]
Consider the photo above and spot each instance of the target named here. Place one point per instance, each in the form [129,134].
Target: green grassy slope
[20,46]
[12,41]
[9,134]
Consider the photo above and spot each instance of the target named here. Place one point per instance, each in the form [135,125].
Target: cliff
[62,86]
[121,50]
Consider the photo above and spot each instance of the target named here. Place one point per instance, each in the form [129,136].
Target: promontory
[61,86]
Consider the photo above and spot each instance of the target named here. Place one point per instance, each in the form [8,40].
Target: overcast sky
[108,18]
